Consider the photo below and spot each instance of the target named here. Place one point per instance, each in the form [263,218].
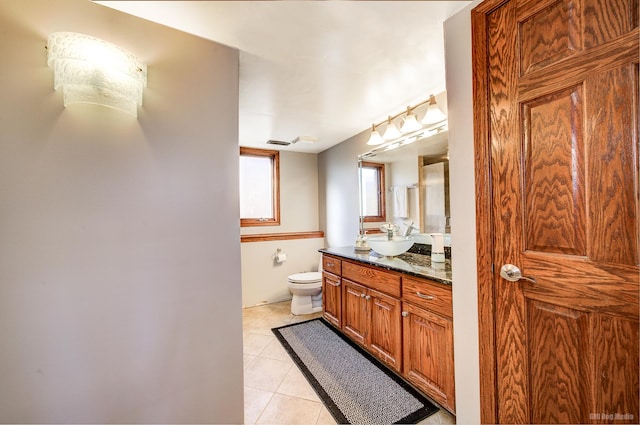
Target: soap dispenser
[437,248]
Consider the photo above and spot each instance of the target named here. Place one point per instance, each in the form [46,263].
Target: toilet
[306,289]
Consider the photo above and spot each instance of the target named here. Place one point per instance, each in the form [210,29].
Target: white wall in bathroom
[263,280]
[463,219]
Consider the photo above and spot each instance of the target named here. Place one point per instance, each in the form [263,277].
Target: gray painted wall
[120,294]
[338,190]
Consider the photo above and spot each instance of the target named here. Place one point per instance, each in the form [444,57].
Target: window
[373,199]
[259,187]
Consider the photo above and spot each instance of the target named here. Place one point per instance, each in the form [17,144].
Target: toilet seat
[306,278]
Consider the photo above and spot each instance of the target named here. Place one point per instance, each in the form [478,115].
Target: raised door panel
[355,321]
[428,354]
[385,337]
[557,84]
[332,299]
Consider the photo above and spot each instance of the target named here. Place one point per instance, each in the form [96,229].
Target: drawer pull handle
[333,283]
[425,297]
[330,264]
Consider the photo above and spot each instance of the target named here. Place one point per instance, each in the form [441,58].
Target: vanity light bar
[405,140]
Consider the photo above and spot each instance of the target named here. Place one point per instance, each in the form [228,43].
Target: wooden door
[355,320]
[556,122]
[332,299]
[385,337]
[428,353]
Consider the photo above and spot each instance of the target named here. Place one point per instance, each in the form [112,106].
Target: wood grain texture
[616,369]
[428,354]
[428,295]
[556,340]
[264,237]
[332,264]
[584,285]
[554,173]
[571,72]
[592,274]
[512,386]
[332,299]
[612,141]
[385,331]
[484,234]
[386,282]
[354,312]
[550,35]
[605,20]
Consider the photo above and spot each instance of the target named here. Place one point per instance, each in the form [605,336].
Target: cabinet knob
[368,297]
[362,295]
[405,313]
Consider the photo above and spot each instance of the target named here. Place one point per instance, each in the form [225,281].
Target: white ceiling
[325,69]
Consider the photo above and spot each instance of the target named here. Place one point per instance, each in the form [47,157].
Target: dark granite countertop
[413,264]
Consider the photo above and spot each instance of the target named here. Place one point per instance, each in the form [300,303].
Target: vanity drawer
[428,295]
[379,280]
[331,265]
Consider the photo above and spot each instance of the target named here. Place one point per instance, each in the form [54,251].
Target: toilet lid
[307,277]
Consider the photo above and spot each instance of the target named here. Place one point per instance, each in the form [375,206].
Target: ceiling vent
[278,142]
[304,139]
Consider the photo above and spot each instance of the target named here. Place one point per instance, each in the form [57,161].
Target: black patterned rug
[354,386]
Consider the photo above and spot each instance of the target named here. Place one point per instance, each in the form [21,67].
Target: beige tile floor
[275,392]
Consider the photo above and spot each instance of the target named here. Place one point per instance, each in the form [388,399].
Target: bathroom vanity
[399,309]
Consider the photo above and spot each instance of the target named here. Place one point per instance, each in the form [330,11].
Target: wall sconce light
[91,70]
[412,129]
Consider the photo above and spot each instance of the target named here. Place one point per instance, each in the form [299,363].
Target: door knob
[513,274]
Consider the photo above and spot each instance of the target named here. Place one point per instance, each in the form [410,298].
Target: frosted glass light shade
[375,138]
[410,123]
[91,70]
[391,132]
[433,114]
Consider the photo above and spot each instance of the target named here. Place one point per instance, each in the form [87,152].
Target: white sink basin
[390,248]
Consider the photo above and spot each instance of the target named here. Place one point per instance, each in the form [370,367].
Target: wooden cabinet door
[332,299]
[556,118]
[385,337]
[355,318]
[428,354]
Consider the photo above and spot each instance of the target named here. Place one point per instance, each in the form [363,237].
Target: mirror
[416,186]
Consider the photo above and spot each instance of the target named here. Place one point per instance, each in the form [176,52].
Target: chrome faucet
[410,227]
[389,228]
